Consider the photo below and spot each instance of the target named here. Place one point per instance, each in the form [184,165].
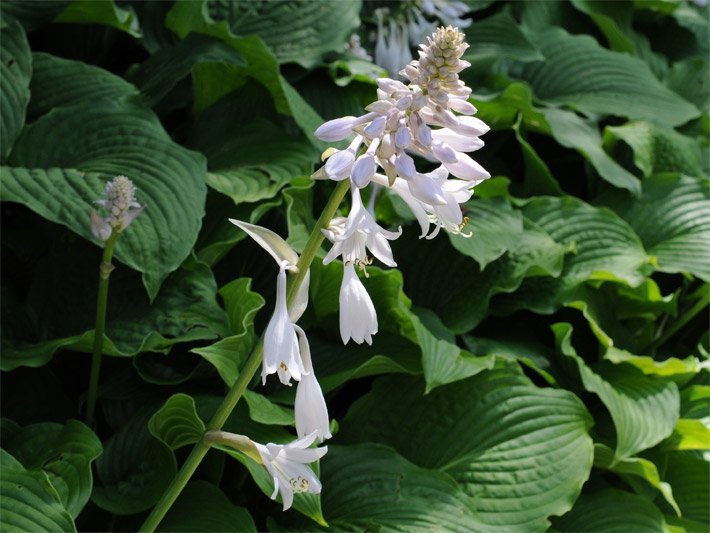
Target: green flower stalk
[120,203]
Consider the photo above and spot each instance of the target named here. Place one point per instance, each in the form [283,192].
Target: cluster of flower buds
[409,25]
[431,118]
[120,203]
[417,119]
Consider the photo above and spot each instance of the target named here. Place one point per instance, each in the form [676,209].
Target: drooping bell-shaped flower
[358,318]
[310,407]
[281,351]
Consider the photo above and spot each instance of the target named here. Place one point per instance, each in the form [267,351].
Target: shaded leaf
[29,502]
[644,409]
[370,487]
[614,511]
[203,507]
[135,468]
[100,12]
[15,74]
[64,453]
[657,149]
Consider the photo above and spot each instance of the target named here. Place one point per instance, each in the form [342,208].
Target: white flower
[358,318]
[446,215]
[310,408]
[121,205]
[281,354]
[392,48]
[287,465]
[447,12]
[352,237]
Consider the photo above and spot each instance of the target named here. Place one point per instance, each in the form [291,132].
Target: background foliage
[551,371]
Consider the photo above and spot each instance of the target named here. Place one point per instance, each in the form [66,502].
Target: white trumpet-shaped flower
[310,408]
[281,353]
[287,465]
[352,237]
[358,318]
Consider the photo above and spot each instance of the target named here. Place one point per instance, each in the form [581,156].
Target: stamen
[299,484]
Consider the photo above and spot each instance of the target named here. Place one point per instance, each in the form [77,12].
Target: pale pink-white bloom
[358,318]
[310,407]
[287,464]
[120,203]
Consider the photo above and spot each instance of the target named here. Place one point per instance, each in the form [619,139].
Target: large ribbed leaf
[657,149]
[203,507]
[612,511]
[689,475]
[29,502]
[579,72]
[644,408]
[499,36]
[85,145]
[192,17]
[572,131]
[494,227]
[370,487]
[64,453]
[521,452]
[672,218]
[60,82]
[156,76]
[317,28]
[254,161]
[602,245]
[15,74]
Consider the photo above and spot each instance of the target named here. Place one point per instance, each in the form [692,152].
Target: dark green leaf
[15,74]
[94,142]
[29,501]
[520,452]
[64,453]
[580,73]
[612,510]
[203,507]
